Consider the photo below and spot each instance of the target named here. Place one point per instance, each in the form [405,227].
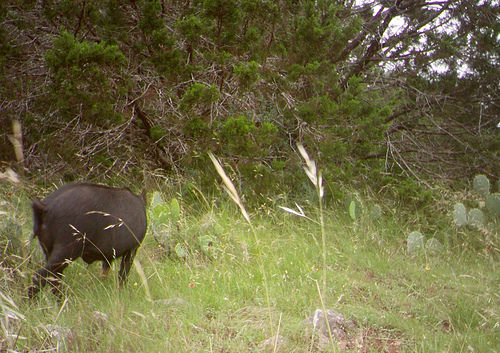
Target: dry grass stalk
[229,186]
[16,139]
[317,180]
[311,171]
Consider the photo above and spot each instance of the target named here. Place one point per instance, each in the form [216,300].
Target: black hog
[94,222]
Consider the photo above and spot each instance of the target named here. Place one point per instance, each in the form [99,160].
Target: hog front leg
[50,273]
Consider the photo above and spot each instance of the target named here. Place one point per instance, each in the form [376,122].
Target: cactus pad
[376,212]
[481,185]
[433,246]
[476,218]
[493,204]
[460,214]
[415,242]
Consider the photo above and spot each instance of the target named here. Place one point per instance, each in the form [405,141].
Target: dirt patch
[333,329]
[380,340]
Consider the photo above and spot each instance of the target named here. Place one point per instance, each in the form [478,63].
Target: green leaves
[485,216]
[375,212]
[226,14]
[199,96]
[151,20]
[164,213]
[191,26]
[68,52]
[476,218]
[175,210]
[81,74]
[180,250]
[236,134]
[207,244]
[309,71]
[415,244]
[247,74]
[168,228]
[353,210]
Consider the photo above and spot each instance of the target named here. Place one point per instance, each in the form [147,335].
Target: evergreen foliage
[80,77]
[379,90]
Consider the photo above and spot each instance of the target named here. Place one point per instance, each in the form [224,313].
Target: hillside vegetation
[237,290]
[211,279]
[378,90]
[321,176]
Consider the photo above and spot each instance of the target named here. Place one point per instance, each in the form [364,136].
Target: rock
[269,344]
[340,328]
[61,336]
[58,332]
[99,318]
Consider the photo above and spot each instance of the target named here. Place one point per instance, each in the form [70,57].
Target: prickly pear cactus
[415,242]
[354,207]
[376,212]
[493,204]
[483,217]
[476,218]
[460,214]
[433,246]
[156,199]
[175,210]
[481,185]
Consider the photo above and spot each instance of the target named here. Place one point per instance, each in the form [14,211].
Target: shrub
[247,74]
[82,78]
[236,133]
[199,97]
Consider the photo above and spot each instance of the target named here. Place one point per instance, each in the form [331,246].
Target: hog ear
[39,208]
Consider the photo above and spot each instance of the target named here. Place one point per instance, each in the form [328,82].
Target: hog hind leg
[106,266]
[125,265]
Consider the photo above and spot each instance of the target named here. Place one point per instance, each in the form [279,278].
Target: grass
[257,283]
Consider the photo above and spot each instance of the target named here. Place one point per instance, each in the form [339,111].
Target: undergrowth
[254,283]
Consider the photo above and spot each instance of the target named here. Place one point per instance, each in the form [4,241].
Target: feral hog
[94,222]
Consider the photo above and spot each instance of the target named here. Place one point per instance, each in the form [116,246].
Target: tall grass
[316,179]
[238,298]
[231,190]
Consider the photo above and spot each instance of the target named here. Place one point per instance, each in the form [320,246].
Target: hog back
[105,222]
[91,221]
